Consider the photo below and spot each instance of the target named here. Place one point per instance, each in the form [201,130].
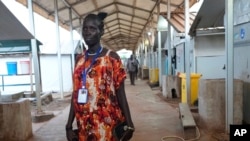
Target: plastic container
[12,68]
[154,75]
[194,78]
[25,67]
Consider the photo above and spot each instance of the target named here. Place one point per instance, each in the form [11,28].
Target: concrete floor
[154,117]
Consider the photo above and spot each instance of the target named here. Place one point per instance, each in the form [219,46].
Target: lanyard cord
[85,71]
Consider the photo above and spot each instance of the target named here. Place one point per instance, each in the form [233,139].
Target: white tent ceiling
[127,22]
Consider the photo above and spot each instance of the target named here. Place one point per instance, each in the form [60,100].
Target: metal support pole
[169,41]
[31,18]
[72,41]
[159,58]
[35,59]
[31,75]
[37,74]
[230,63]
[145,52]
[60,77]
[142,55]
[159,49]
[143,59]
[81,38]
[187,53]
[2,82]
[152,57]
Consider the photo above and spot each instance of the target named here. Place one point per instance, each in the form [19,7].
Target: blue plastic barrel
[12,68]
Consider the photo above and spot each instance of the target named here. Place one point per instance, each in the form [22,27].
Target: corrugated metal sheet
[10,27]
[210,15]
[126,23]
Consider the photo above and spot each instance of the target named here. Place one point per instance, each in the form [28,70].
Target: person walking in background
[99,102]
[132,65]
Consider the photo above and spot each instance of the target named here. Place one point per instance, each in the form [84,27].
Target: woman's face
[91,32]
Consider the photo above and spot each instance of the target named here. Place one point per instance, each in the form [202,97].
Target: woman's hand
[71,135]
[127,135]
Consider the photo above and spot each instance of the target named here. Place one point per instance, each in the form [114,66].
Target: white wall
[212,45]
[180,58]
[3,60]
[49,73]
[211,67]
[24,79]
[242,63]
[241,51]
[210,56]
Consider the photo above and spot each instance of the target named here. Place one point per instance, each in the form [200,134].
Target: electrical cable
[194,139]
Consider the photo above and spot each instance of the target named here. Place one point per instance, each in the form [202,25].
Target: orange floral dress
[96,118]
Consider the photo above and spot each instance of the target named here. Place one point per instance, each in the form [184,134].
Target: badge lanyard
[85,71]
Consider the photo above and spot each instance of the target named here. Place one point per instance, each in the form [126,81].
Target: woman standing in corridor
[99,102]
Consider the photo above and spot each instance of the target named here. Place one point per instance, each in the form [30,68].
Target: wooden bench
[188,123]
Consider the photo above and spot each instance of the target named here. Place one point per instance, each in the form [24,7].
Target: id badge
[82,95]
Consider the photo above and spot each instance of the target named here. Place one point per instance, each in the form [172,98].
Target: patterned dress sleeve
[119,73]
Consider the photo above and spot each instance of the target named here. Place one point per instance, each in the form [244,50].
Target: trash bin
[154,75]
[194,78]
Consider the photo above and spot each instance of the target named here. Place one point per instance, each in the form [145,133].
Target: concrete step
[10,96]
[188,122]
